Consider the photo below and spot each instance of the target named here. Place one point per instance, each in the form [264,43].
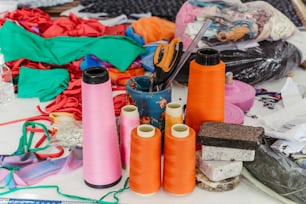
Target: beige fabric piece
[300,8]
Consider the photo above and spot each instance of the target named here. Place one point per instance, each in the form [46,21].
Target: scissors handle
[188,52]
[165,55]
[166,58]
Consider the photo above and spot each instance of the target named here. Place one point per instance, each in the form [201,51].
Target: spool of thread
[129,119]
[173,114]
[205,99]
[233,114]
[101,154]
[179,160]
[145,162]
[239,93]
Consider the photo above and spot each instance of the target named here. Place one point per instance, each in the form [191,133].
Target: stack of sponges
[224,148]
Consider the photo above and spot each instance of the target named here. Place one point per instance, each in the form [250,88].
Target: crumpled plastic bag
[279,173]
[270,60]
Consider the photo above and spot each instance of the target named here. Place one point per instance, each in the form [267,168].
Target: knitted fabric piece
[164,9]
[44,84]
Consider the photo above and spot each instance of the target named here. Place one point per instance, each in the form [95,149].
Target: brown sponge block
[229,135]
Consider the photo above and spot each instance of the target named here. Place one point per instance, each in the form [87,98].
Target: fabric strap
[27,165]
[28,170]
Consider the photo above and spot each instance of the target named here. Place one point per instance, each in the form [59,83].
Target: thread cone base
[103,186]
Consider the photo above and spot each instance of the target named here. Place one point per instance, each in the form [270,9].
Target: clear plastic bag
[232,22]
[69,133]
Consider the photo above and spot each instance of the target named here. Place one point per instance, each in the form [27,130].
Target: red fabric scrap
[74,26]
[32,19]
[39,22]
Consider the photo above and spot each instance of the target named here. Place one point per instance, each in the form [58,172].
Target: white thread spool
[229,78]
[180,130]
[145,130]
[129,110]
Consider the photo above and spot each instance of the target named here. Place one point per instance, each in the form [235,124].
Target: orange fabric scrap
[154,29]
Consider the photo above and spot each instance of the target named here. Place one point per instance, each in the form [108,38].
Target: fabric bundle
[256,20]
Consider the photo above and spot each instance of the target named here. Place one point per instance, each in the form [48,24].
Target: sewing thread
[233,114]
[101,154]
[145,161]
[129,119]
[239,93]
[205,100]
[173,114]
[179,160]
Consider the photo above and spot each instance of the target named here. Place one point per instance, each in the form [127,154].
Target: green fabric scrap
[16,43]
[42,84]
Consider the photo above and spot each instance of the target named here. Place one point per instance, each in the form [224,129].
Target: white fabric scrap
[295,134]
[288,147]
[41,3]
[290,93]
[288,123]
[286,117]
[102,17]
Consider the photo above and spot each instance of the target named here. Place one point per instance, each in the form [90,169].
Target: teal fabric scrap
[16,43]
[42,84]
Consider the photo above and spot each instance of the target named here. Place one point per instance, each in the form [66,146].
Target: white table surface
[72,183]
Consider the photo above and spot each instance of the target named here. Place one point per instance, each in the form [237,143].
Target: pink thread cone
[239,93]
[101,155]
[129,119]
